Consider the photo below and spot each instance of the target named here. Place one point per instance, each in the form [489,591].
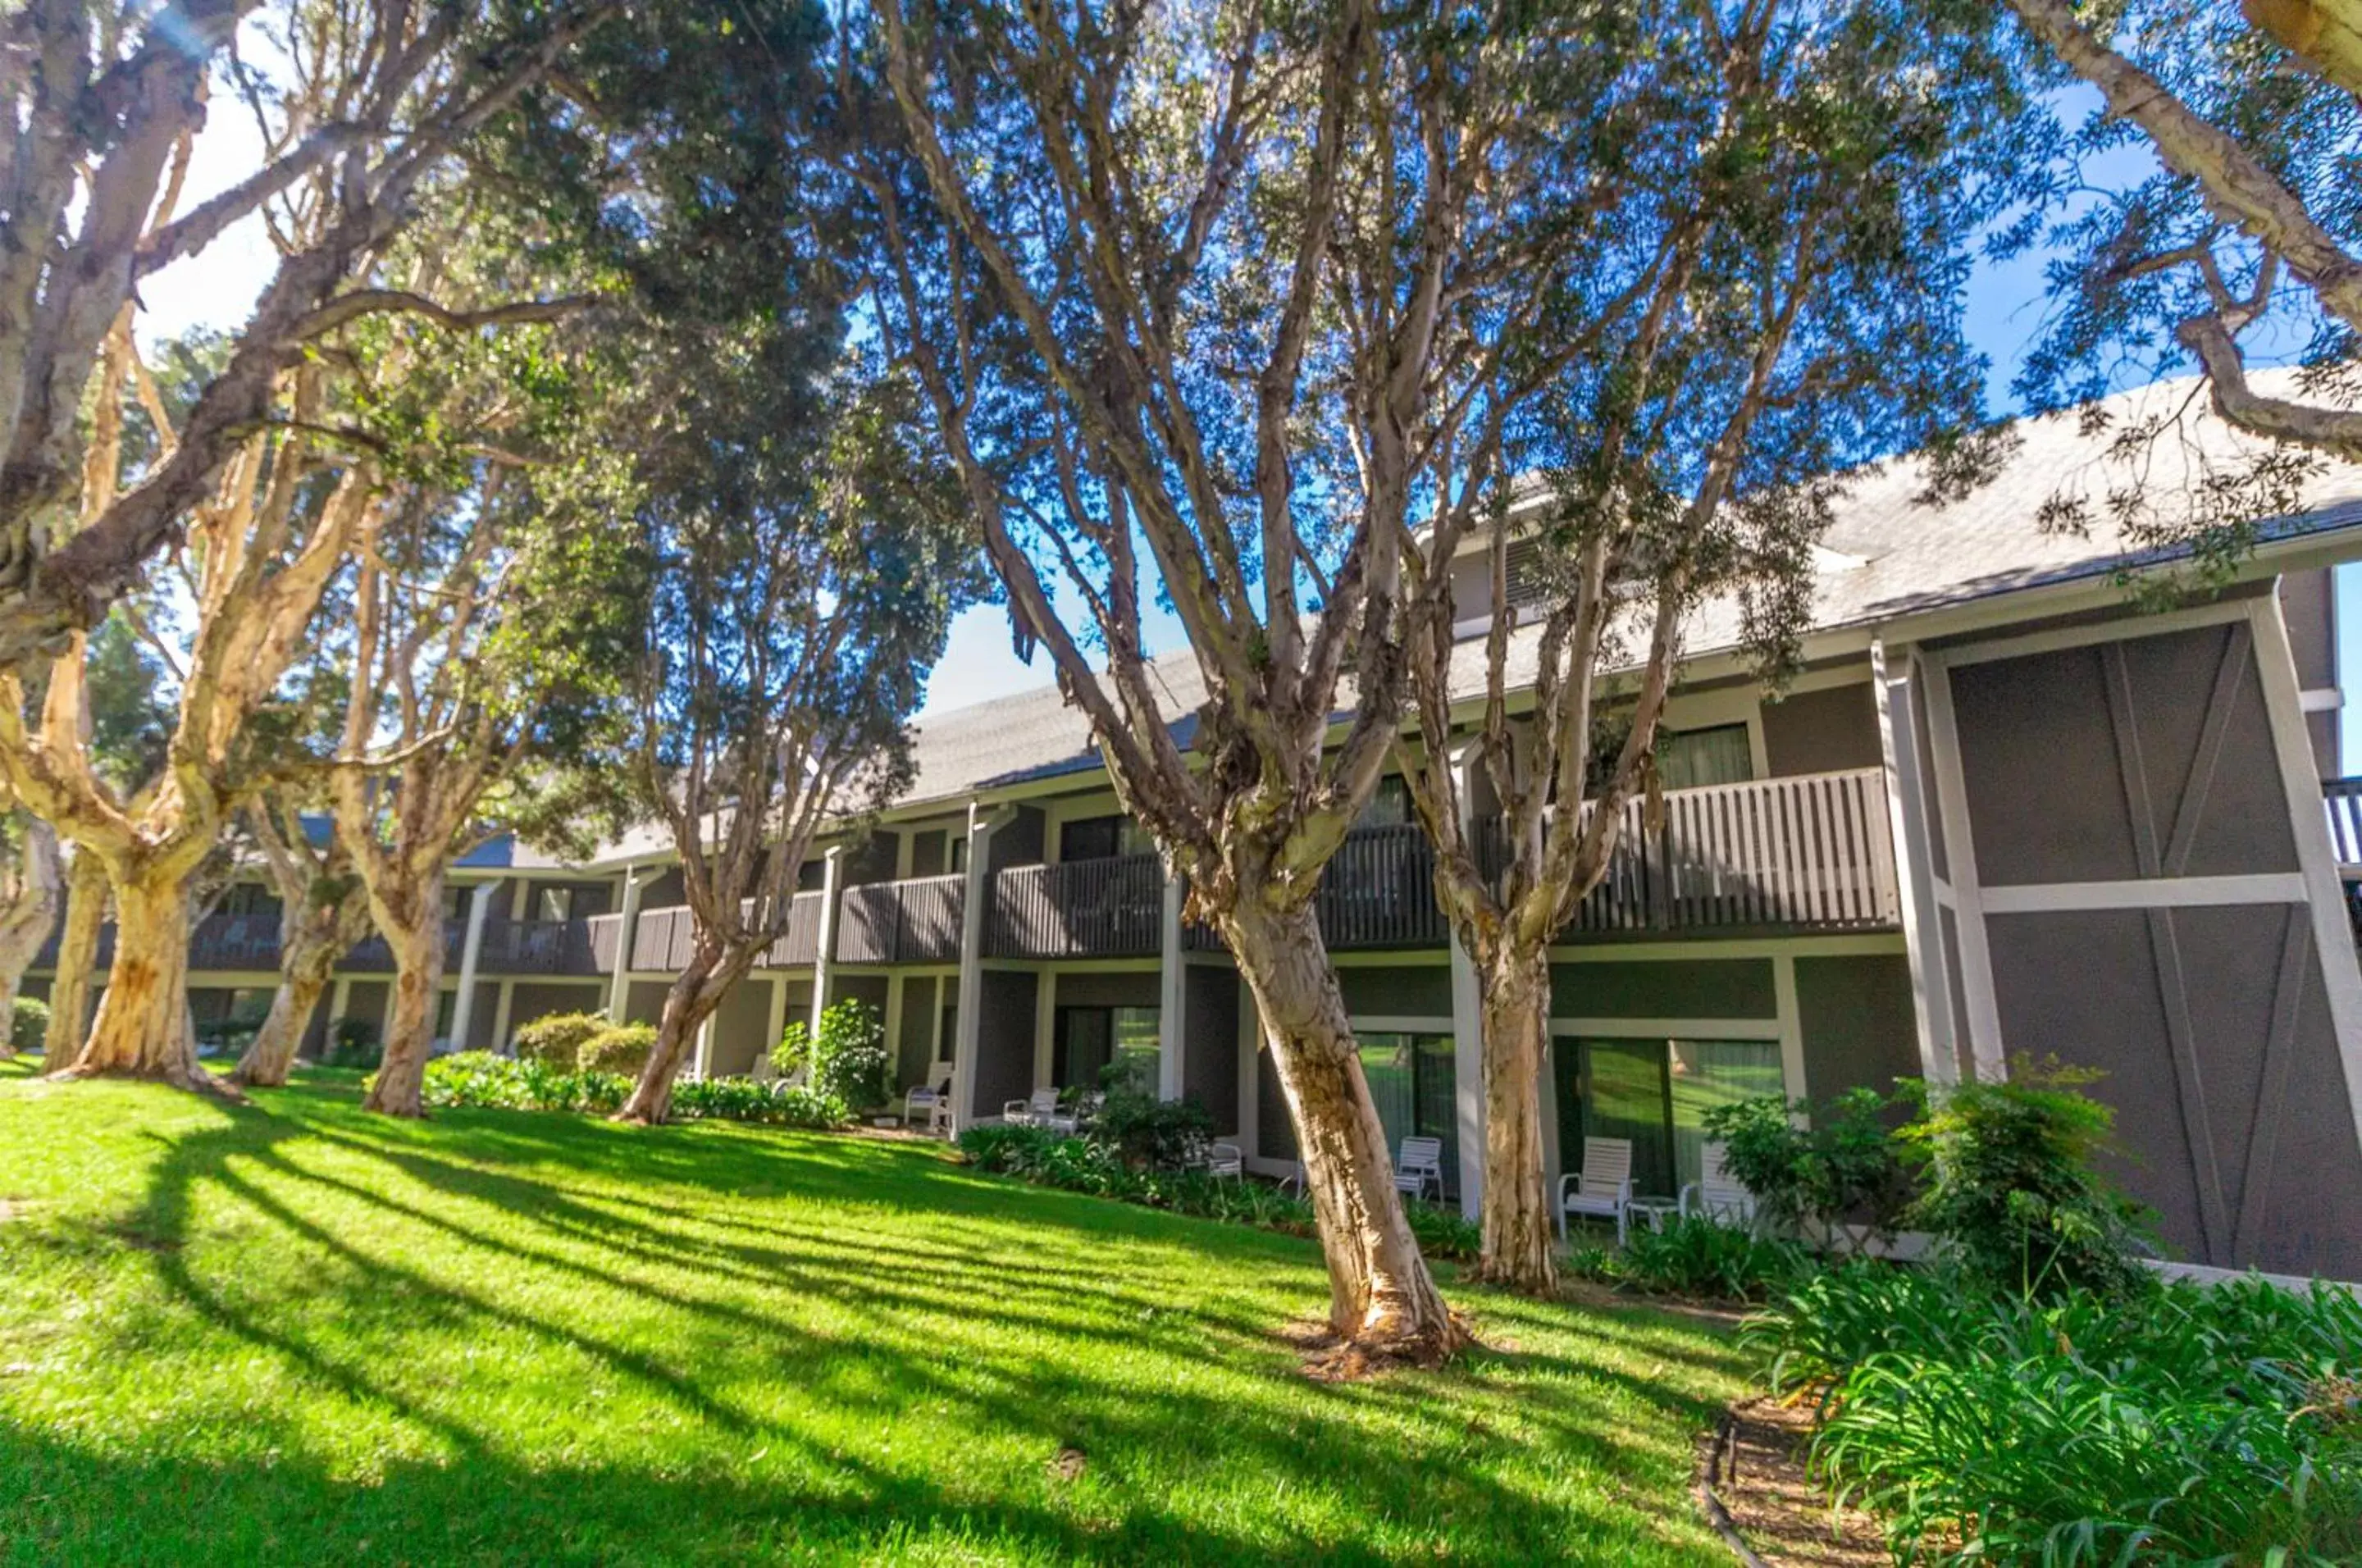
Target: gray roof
[1886,556]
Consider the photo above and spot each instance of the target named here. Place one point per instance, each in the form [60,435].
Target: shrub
[1847,1166]
[745,1099]
[29,1028]
[480,1078]
[2012,1184]
[1694,1256]
[558,1037]
[2171,1423]
[622,1048]
[353,1042]
[1145,1132]
[849,1060]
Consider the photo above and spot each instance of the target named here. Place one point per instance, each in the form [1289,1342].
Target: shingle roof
[1886,555]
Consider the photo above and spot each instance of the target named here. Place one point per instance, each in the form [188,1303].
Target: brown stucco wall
[1385,990]
[1209,1042]
[1858,1023]
[1003,1069]
[1673,988]
[1822,732]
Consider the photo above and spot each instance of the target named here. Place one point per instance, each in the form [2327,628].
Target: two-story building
[2004,807]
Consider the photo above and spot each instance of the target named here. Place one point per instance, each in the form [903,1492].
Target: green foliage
[849,1060]
[745,1100]
[558,1038]
[1694,1256]
[2171,1423]
[480,1078]
[618,1048]
[1845,1166]
[1141,1129]
[354,1042]
[29,1028]
[2012,1184]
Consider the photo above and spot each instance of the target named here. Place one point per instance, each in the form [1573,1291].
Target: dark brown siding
[1679,987]
[1413,990]
[1859,1027]
[915,1049]
[1003,1069]
[1209,1042]
[1822,732]
[1275,1128]
[1138,988]
[739,1025]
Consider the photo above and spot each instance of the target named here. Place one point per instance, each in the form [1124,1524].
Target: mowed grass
[294,1333]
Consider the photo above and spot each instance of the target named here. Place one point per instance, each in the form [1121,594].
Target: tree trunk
[694,995]
[86,893]
[26,922]
[1381,1295]
[305,964]
[142,1027]
[1516,987]
[417,985]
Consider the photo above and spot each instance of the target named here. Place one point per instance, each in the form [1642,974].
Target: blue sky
[217,288]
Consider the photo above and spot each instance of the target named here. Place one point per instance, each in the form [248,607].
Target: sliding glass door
[1411,1080]
[1653,1093]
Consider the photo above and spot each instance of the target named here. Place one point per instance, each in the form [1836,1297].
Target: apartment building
[2005,808]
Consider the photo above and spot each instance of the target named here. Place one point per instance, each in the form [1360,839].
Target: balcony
[2342,797]
[662,939]
[912,921]
[1080,908]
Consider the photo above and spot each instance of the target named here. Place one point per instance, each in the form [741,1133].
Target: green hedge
[29,1029]
[480,1078]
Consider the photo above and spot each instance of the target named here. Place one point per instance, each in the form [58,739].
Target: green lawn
[297,1335]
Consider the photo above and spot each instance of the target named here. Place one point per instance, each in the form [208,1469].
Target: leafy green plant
[29,1027]
[2171,1423]
[1694,1256]
[2013,1186]
[848,1059]
[745,1099]
[353,1042]
[557,1038]
[1145,1131]
[618,1048]
[1845,1167]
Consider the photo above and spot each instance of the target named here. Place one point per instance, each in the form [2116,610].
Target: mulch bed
[1752,1465]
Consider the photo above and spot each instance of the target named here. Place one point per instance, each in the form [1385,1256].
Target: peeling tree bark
[1516,1250]
[29,896]
[142,1027]
[86,897]
[691,998]
[411,924]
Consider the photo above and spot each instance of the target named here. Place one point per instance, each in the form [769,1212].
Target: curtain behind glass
[1387,1062]
[1136,1046]
[1707,1073]
[1691,760]
[1624,1098]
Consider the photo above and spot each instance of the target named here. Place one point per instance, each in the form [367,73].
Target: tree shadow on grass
[1063,1326]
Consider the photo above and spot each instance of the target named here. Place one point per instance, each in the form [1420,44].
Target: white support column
[775,1026]
[833,874]
[1931,1003]
[340,999]
[1984,1010]
[702,1064]
[619,986]
[500,1012]
[1172,995]
[981,826]
[1468,1024]
[479,904]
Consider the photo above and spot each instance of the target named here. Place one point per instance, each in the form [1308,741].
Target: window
[1412,1082]
[1655,1093]
[553,903]
[1691,760]
[1091,1040]
[1389,805]
[959,852]
[455,898]
[1104,838]
[249,898]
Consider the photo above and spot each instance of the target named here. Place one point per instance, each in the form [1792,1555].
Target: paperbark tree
[2248,238]
[85,917]
[1204,295]
[323,911]
[31,879]
[790,641]
[1775,300]
[100,100]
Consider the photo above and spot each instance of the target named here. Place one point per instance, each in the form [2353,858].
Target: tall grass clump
[2157,1423]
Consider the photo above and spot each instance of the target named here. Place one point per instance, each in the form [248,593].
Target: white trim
[2147,893]
[1922,901]
[1680,1028]
[1960,859]
[2322,700]
[832,885]
[2123,629]
[1848,946]
[1791,1026]
[2333,935]
[1398,1024]
[1468,1024]
[1942,888]
[1172,992]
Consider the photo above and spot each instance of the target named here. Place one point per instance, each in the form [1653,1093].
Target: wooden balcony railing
[663,938]
[1080,908]
[801,946]
[2343,800]
[1379,891]
[535,948]
[913,922]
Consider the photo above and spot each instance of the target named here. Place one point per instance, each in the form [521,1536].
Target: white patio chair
[933,1097]
[1419,1163]
[1604,1188]
[1039,1111]
[1226,1162]
[1069,1119]
[1718,1194]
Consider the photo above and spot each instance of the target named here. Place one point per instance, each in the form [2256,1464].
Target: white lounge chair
[1419,1164]
[1226,1162]
[1042,1110]
[1604,1189]
[1718,1194]
[933,1097]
